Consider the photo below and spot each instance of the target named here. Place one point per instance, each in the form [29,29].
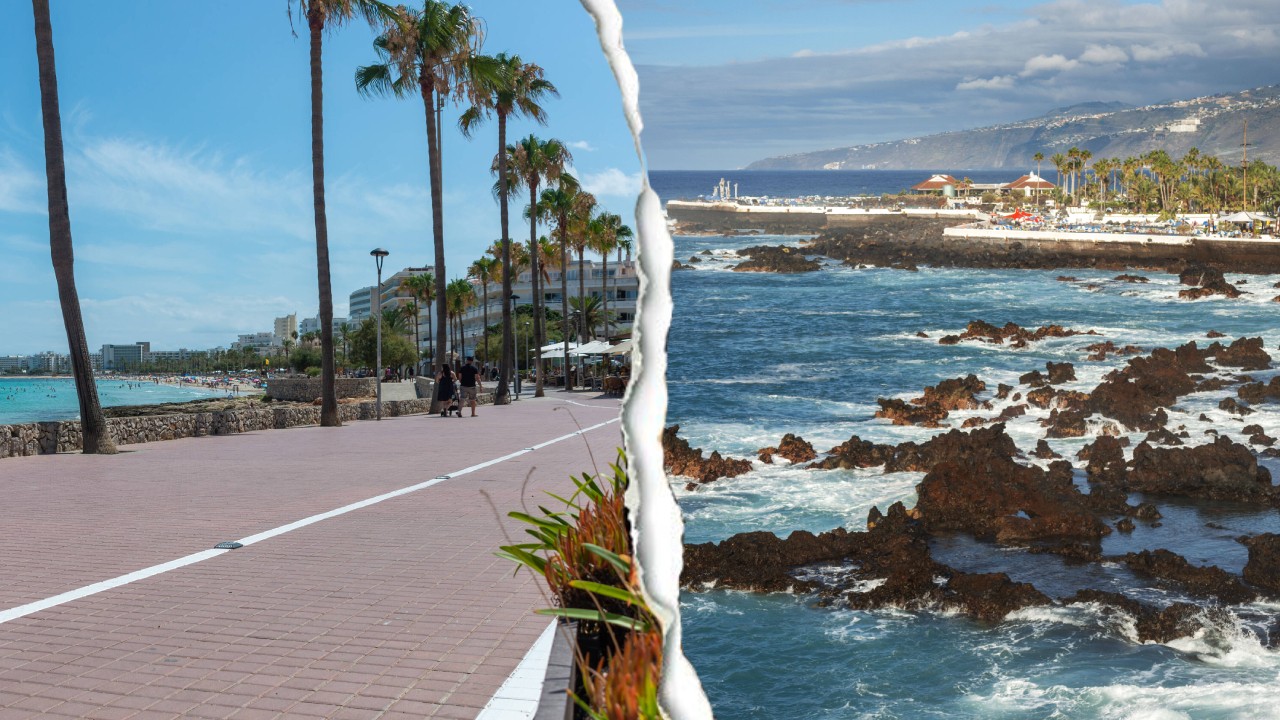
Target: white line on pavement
[518,697]
[66,597]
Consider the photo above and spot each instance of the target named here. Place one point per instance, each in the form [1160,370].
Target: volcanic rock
[900,413]
[1044,452]
[1161,436]
[855,453]
[1019,337]
[1208,581]
[772,258]
[1099,351]
[1256,392]
[1066,423]
[1214,334]
[991,497]
[1223,470]
[1246,353]
[1032,378]
[990,596]
[1131,278]
[761,561]
[1233,407]
[680,459]
[954,394]
[792,447]
[1060,372]
[1002,391]
[1152,625]
[1133,394]
[1263,568]
[954,447]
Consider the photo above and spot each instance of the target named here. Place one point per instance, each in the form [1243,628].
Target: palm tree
[1039,158]
[534,162]
[486,270]
[324,15]
[590,312]
[96,436]
[611,235]
[558,205]
[422,288]
[515,90]
[429,52]
[459,296]
[1059,163]
[582,220]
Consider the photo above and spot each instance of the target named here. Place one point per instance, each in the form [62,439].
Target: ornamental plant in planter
[584,554]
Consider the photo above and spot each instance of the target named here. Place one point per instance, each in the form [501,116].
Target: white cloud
[21,189]
[1000,82]
[612,182]
[583,145]
[1043,64]
[1164,51]
[1103,54]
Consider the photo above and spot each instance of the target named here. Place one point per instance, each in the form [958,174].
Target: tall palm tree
[459,296]
[485,270]
[324,15]
[1060,164]
[558,205]
[515,89]
[1039,158]
[534,162]
[610,235]
[430,53]
[96,436]
[422,288]
[583,228]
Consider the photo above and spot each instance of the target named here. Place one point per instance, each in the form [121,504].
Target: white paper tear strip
[657,529]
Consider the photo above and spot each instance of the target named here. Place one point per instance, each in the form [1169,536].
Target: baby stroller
[453,406]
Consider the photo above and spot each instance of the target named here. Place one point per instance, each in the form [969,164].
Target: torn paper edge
[657,529]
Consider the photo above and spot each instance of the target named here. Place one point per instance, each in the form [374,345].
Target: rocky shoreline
[911,241]
[980,485]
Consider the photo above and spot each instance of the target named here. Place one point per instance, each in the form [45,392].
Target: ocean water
[753,356]
[690,184]
[36,399]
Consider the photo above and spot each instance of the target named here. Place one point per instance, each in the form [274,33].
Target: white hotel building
[621,290]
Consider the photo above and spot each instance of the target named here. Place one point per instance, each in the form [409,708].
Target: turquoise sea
[753,356]
[34,399]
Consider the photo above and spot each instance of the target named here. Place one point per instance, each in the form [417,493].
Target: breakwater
[941,244]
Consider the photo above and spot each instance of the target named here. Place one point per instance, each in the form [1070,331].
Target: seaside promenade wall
[1250,255]
[44,438]
[308,389]
[788,220]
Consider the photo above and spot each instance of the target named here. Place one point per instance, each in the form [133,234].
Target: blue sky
[727,82]
[188,152]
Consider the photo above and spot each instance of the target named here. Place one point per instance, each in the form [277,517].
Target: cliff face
[1214,124]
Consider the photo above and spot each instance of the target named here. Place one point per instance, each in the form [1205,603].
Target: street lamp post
[378,255]
[512,299]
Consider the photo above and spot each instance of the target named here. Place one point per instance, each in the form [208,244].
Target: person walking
[445,390]
[471,385]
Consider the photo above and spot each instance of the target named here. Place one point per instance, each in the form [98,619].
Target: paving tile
[399,602]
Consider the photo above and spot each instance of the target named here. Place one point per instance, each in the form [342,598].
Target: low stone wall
[427,388]
[308,389]
[44,438]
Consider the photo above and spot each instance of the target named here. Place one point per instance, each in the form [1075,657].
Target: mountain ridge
[1213,123]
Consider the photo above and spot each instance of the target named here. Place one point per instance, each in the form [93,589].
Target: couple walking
[468,378]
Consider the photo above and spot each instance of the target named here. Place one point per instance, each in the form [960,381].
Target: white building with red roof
[1030,184]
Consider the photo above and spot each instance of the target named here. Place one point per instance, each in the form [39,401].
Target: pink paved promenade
[394,610]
